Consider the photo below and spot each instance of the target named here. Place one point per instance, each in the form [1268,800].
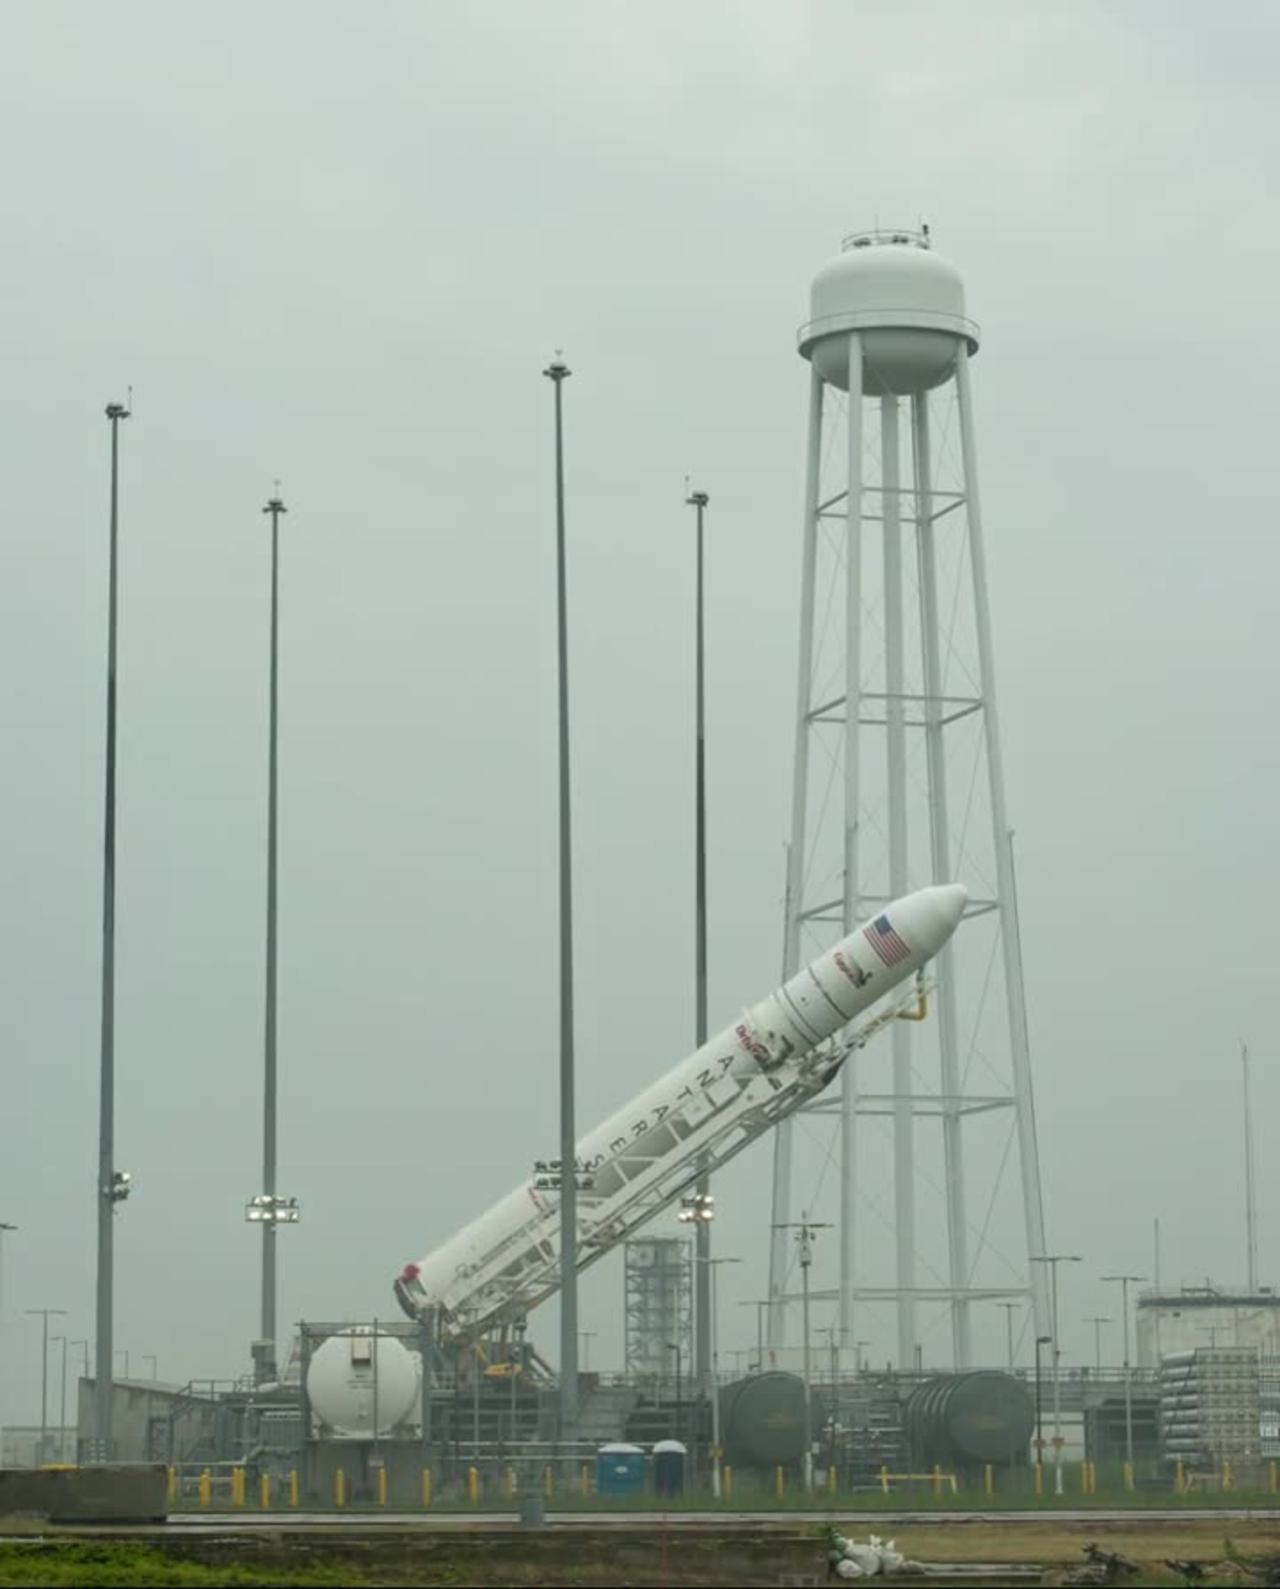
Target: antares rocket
[705,1110]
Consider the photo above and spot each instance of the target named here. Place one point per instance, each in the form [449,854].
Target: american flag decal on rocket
[886,943]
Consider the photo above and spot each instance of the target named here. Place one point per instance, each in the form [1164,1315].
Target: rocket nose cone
[949,900]
[943,907]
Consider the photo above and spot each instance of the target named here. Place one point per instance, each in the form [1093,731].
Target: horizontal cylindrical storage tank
[360,1384]
[762,1420]
[968,1420]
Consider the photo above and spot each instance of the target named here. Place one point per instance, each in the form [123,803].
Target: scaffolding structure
[658,1282]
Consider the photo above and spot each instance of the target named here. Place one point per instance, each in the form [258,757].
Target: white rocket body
[705,1108]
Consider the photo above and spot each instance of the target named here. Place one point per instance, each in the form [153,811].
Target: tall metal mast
[110,1190]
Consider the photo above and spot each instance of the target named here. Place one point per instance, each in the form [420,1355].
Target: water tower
[898,782]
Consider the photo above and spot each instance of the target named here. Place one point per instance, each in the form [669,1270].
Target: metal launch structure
[896,721]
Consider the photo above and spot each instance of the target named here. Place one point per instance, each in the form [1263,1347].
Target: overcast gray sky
[336,244]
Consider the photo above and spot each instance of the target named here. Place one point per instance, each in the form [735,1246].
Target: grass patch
[73,1563]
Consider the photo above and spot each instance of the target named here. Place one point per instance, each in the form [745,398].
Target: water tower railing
[911,236]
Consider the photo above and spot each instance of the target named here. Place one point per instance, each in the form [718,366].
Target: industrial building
[1183,1320]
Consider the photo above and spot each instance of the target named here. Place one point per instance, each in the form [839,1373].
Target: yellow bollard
[473,1485]
[237,1486]
[1039,1478]
[548,1481]
[426,1488]
[382,1485]
[779,1481]
[206,1487]
[584,1479]
[727,1483]
[988,1480]
[173,1484]
[339,1488]
[264,1491]
[293,1486]
[884,1478]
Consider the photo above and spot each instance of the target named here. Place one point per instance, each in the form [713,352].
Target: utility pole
[5,1228]
[702,1228]
[1124,1282]
[1010,1308]
[1041,1340]
[111,1189]
[712,1264]
[62,1406]
[760,1305]
[45,1314]
[1098,1321]
[557,373]
[804,1238]
[1250,1184]
[1053,1260]
[84,1347]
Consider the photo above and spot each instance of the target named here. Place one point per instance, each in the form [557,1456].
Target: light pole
[111,1189]
[557,373]
[268,1209]
[702,1348]
[1097,1321]
[804,1238]
[1010,1308]
[45,1314]
[712,1264]
[1124,1282]
[1053,1260]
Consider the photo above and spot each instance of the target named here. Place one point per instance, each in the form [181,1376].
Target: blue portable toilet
[620,1469]
[668,1467]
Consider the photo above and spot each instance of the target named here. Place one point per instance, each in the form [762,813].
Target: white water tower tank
[341,1382]
[906,300]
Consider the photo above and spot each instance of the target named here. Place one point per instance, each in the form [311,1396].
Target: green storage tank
[964,1421]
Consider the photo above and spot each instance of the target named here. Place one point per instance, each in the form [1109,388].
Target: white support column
[1024,1106]
[797,849]
[852,803]
[904,1170]
[940,858]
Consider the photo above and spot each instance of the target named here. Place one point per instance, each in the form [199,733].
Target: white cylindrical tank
[343,1389]
[906,300]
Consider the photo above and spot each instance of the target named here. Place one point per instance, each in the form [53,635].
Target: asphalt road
[439,1521]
